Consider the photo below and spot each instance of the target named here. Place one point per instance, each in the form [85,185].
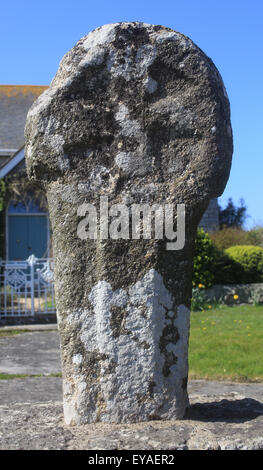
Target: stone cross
[137,117]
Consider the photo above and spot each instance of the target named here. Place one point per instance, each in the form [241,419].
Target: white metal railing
[26,287]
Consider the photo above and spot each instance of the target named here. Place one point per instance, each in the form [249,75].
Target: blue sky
[34,36]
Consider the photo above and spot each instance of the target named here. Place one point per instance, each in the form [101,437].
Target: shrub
[204,260]
[250,258]
[236,265]
[226,269]
[231,236]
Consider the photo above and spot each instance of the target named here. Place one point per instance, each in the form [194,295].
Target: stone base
[230,420]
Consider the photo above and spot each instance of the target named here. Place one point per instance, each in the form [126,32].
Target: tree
[232,216]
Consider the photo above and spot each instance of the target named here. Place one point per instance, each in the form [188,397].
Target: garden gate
[27,287]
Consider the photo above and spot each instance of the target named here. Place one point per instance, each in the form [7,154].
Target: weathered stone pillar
[136,114]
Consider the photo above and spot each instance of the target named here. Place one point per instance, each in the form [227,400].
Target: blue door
[27,235]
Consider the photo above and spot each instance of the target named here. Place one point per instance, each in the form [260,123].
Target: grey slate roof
[15,101]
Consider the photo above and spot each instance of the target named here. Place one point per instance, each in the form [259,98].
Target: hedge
[204,260]
[240,264]
[250,260]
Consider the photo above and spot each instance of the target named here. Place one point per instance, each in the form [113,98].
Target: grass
[22,376]
[12,332]
[227,344]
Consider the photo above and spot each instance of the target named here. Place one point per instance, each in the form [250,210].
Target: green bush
[250,259]
[241,264]
[226,269]
[204,260]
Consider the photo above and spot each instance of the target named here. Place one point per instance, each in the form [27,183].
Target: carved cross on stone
[136,114]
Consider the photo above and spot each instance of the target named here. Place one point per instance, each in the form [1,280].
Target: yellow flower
[201,286]
[235,296]
[209,306]
[204,329]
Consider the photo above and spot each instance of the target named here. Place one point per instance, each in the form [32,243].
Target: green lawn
[12,332]
[227,344]
[23,376]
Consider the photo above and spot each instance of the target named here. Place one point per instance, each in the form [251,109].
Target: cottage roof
[15,101]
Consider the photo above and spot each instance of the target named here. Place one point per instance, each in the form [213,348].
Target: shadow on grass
[231,411]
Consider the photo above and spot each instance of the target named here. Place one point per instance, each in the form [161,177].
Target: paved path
[35,352]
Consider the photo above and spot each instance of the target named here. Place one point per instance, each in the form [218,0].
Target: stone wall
[247,293]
